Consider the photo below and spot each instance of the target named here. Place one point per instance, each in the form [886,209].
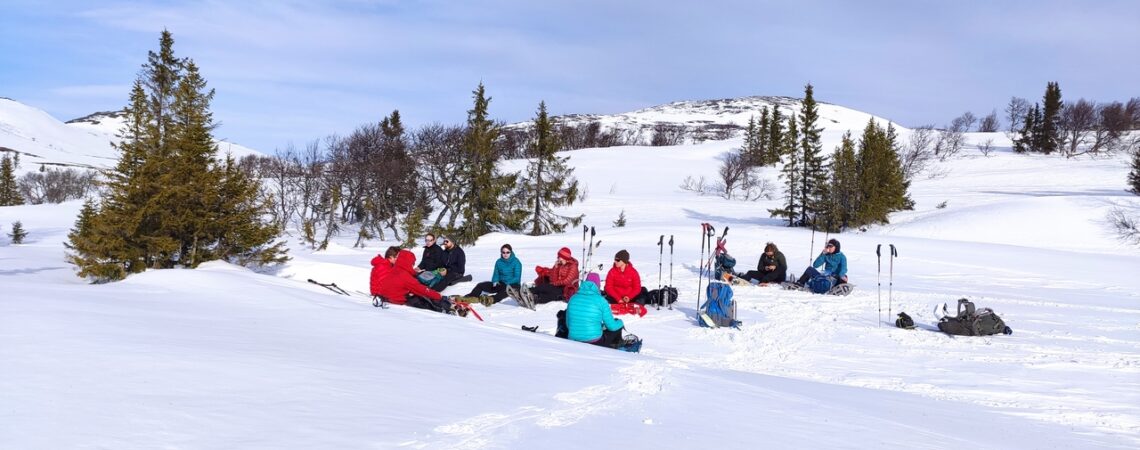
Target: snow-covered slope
[222,357]
[704,117]
[42,140]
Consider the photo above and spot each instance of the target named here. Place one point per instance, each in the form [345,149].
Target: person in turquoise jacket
[589,318]
[507,273]
[834,264]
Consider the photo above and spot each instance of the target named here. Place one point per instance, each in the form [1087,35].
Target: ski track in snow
[629,385]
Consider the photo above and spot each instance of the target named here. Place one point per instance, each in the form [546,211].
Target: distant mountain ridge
[86,142]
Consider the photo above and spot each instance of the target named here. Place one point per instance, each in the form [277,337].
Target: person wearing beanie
[559,282]
[593,277]
[454,265]
[623,283]
[589,318]
[507,274]
[834,264]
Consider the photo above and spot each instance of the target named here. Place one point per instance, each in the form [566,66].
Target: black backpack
[664,296]
[971,321]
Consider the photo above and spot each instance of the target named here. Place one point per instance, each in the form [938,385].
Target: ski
[330,286]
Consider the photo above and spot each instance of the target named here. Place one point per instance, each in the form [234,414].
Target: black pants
[810,273]
[416,301]
[497,290]
[546,293]
[765,277]
[609,339]
[642,297]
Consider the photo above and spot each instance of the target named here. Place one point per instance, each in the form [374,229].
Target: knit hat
[564,253]
[834,242]
[593,277]
[441,238]
[623,256]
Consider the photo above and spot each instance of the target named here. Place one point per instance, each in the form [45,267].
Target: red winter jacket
[623,283]
[401,281]
[565,275]
[380,267]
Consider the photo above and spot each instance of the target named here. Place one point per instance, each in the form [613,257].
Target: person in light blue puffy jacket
[834,264]
[589,317]
[507,273]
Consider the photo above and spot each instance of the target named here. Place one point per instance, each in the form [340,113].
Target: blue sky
[295,71]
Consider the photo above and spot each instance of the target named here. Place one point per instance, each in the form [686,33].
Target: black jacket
[777,260]
[432,259]
[455,261]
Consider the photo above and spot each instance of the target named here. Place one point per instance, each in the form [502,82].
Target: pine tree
[487,206]
[764,145]
[1025,142]
[751,142]
[814,176]
[167,202]
[775,138]
[1050,139]
[882,187]
[1134,175]
[18,233]
[549,182]
[791,173]
[843,192]
[9,193]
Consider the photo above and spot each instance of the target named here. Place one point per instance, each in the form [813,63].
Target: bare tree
[1076,125]
[952,138]
[966,120]
[986,147]
[56,185]
[665,134]
[918,152]
[990,123]
[437,152]
[1015,113]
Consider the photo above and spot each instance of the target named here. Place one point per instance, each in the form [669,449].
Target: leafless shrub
[1127,227]
[952,138]
[699,185]
[56,185]
[986,147]
[1015,112]
[990,123]
[918,153]
[666,134]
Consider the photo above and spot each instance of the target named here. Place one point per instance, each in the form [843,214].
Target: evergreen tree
[1050,138]
[167,201]
[1134,175]
[791,173]
[751,142]
[775,138]
[9,193]
[549,182]
[1026,140]
[18,233]
[764,137]
[843,192]
[814,176]
[882,186]
[487,206]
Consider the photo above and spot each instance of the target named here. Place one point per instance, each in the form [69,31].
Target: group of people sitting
[589,314]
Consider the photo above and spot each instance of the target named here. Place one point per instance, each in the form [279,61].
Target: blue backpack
[720,306]
[820,284]
[725,263]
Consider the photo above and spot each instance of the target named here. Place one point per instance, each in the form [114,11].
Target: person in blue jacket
[589,317]
[507,273]
[834,264]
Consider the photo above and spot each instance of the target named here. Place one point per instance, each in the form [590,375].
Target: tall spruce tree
[166,199]
[843,192]
[791,173]
[749,148]
[9,193]
[814,176]
[775,137]
[487,206]
[882,186]
[1050,139]
[763,137]
[548,182]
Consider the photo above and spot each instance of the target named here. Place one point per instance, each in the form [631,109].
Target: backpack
[664,296]
[428,277]
[562,331]
[904,321]
[972,321]
[820,284]
[720,306]
[725,263]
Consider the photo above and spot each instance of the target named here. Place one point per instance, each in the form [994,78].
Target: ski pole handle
[877,248]
[894,252]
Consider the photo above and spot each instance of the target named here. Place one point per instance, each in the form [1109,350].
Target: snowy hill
[707,117]
[42,140]
[223,357]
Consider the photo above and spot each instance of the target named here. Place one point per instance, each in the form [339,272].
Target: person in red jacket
[559,282]
[400,286]
[623,283]
[381,265]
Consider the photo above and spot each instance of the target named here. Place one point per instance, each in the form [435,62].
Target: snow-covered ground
[223,357]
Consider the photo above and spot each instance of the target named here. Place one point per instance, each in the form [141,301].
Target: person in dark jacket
[589,318]
[559,282]
[381,265]
[454,265]
[433,255]
[400,286]
[507,273]
[773,267]
[834,264]
[623,283]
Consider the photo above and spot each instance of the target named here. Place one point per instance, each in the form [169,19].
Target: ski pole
[660,256]
[670,268]
[812,248]
[879,280]
[701,274]
[891,286]
[584,230]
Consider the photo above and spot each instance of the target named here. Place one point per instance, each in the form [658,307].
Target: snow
[224,357]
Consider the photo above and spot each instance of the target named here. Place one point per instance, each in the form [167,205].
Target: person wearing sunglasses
[433,255]
[834,265]
[623,283]
[454,265]
[507,274]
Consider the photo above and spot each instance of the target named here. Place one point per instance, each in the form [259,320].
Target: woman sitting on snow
[507,273]
[559,282]
[623,283]
[773,267]
[834,265]
[588,316]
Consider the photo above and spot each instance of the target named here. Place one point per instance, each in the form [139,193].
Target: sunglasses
[506,253]
[829,246]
